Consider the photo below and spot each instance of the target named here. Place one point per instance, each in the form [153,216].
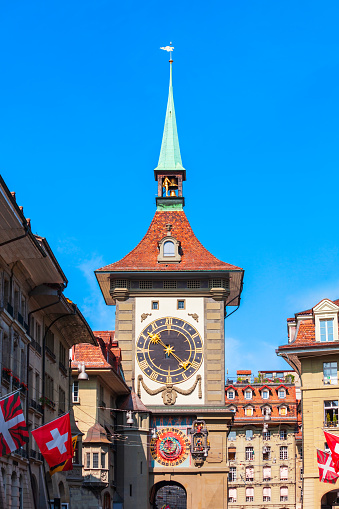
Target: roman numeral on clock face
[153,375]
[143,365]
[169,322]
[195,365]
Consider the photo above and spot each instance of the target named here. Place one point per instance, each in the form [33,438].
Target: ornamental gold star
[155,338]
[169,349]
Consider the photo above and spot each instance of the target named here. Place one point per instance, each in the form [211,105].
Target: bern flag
[13,429]
[327,472]
[333,445]
[54,440]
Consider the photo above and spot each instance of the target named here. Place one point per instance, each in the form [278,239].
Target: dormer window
[231,394]
[248,394]
[326,330]
[283,410]
[265,394]
[249,411]
[281,393]
[169,248]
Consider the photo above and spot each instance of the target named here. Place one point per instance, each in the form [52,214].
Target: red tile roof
[244,372]
[194,257]
[106,354]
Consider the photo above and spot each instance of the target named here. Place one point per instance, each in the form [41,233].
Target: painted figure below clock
[169,350]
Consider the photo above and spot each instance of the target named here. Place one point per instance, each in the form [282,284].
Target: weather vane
[168,48]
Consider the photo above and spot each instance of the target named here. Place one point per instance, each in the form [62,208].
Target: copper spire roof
[144,257]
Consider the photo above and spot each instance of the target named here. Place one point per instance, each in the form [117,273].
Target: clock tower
[171,297]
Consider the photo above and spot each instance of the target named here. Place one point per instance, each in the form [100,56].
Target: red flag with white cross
[54,440]
[333,445]
[327,472]
[13,429]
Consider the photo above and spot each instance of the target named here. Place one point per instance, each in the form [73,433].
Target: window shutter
[284,491]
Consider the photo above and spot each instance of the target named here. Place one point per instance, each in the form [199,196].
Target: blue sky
[83,94]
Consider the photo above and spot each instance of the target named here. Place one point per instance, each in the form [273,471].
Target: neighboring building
[313,351]
[35,318]
[171,297]
[109,446]
[262,442]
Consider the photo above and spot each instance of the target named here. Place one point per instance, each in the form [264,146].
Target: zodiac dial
[171,447]
[169,350]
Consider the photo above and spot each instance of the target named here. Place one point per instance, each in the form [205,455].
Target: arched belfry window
[169,248]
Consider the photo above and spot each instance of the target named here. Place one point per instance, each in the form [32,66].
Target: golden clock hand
[155,338]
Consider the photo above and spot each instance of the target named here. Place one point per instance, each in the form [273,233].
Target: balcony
[21,452]
[6,376]
[266,479]
[36,346]
[283,499]
[249,499]
[266,499]
[32,453]
[16,382]
[51,354]
[36,406]
[20,319]
[249,479]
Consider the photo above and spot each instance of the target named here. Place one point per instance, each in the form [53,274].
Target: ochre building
[313,351]
[171,297]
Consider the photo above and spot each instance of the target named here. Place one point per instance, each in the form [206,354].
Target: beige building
[115,427]
[313,351]
[35,318]
[262,446]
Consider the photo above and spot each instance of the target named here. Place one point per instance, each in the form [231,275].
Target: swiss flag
[54,440]
[333,445]
[327,472]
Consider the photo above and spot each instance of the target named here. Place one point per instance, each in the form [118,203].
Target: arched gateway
[329,499]
[168,494]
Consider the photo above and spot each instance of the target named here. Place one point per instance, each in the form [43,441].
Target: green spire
[170,158]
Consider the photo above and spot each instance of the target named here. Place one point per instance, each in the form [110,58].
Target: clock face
[169,350]
[171,447]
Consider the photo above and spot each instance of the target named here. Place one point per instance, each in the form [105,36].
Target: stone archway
[330,498]
[168,495]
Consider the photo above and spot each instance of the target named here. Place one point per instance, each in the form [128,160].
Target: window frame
[155,302]
[184,304]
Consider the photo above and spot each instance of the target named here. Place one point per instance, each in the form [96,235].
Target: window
[38,333]
[266,453]
[249,494]
[217,283]
[249,411]
[181,304]
[232,453]
[230,394]
[283,494]
[283,452]
[232,475]
[193,284]
[266,435]
[331,413]
[49,387]
[267,473]
[283,411]
[75,392]
[249,434]
[280,375]
[37,386]
[95,460]
[281,393]
[62,400]
[120,283]
[249,453]
[145,285]
[249,473]
[248,394]
[169,248]
[330,370]
[232,409]
[155,304]
[266,494]
[283,473]
[265,394]
[101,396]
[50,340]
[266,410]
[88,460]
[62,354]
[232,435]
[169,284]
[232,494]
[283,434]
[103,460]
[326,330]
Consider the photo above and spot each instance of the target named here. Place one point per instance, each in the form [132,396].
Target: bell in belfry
[173,186]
